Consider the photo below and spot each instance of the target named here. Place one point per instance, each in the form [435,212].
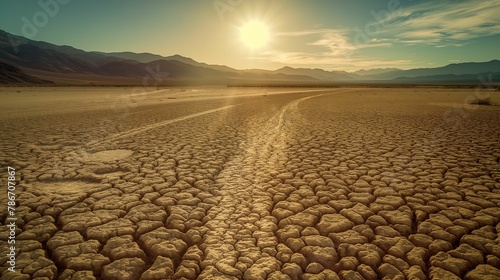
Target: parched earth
[323,184]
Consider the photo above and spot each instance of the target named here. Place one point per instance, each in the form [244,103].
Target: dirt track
[324,184]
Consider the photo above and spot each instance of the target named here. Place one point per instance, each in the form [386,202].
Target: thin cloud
[312,32]
[440,24]
[337,44]
[444,22]
[335,49]
[302,59]
[331,43]
[335,40]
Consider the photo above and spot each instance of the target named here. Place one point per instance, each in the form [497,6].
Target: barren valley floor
[235,183]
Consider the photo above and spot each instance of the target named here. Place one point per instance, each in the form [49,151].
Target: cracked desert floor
[251,183]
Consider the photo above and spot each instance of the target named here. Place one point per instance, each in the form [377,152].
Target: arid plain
[251,183]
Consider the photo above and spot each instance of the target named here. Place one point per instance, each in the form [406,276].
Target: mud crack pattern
[332,184]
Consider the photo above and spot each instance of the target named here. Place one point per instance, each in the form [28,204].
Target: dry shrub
[482,101]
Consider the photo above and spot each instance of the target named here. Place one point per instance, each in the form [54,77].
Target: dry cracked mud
[252,184]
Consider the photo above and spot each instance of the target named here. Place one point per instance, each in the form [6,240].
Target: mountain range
[13,75]
[36,62]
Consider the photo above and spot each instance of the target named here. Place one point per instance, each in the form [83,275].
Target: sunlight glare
[254,34]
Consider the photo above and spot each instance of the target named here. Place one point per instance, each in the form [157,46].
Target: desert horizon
[23,62]
[250,139]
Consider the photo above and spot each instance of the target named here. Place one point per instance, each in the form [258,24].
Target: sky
[327,34]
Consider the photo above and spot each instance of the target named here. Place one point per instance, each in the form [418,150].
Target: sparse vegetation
[482,101]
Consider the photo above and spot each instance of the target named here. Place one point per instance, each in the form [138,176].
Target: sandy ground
[236,183]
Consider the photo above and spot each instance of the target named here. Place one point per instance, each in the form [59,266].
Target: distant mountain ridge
[364,72]
[149,57]
[319,74]
[11,75]
[69,65]
[491,77]
[64,63]
[466,68]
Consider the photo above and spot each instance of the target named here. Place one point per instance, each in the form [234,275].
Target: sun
[254,34]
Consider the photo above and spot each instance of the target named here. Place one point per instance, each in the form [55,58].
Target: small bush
[482,101]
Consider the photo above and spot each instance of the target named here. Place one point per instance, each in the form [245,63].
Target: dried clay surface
[234,183]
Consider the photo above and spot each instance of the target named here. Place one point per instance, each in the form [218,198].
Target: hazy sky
[328,34]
